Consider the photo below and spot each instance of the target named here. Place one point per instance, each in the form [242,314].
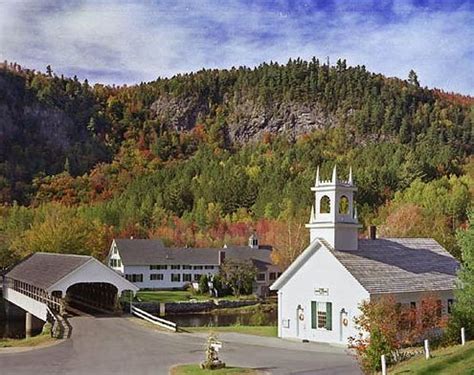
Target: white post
[463,336]
[384,365]
[28,324]
[427,350]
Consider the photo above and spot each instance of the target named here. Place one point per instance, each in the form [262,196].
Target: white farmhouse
[150,265]
[320,293]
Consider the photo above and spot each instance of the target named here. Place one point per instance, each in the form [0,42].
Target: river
[13,324]
[223,319]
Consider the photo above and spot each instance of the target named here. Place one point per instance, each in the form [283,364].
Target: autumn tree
[62,230]
[239,276]
[288,239]
[386,326]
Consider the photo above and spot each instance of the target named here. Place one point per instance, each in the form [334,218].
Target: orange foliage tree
[386,326]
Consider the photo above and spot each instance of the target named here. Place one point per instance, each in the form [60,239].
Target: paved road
[102,346]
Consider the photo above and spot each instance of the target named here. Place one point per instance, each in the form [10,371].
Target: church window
[321,315]
[325,205]
[344,205]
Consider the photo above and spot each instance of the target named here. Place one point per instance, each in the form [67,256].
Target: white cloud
[127,42]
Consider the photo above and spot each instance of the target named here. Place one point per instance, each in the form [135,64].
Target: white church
[320,293]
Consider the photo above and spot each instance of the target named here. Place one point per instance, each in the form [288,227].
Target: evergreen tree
[463,309]
[413,78]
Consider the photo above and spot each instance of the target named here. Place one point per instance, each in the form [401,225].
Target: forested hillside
[200,159]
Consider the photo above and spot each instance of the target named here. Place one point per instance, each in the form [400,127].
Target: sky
[133,41]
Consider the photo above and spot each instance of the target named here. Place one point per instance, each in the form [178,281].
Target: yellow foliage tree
[62,230]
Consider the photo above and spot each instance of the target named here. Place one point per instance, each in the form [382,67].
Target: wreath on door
[301,316]
[345,322]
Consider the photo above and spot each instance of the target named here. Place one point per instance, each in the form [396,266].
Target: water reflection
[222,319]
[13,324]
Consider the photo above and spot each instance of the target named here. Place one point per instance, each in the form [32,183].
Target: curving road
[102,346]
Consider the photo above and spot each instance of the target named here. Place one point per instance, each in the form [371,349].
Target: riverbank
[42,339]
[167,296]
[264,331]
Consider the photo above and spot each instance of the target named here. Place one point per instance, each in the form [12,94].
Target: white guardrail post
[384,365]
[463,336]
[427,349]
[154,319]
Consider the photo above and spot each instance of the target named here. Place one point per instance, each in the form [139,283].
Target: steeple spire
[311,216]
[350,176]
[317,177]
[334,175]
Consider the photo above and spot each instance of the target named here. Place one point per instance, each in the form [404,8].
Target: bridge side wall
[28,304]
[93,272]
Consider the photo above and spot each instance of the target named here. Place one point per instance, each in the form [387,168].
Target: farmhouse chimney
[221,256]
[373,232]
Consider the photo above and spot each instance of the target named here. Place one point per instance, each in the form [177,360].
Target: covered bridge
[47,283]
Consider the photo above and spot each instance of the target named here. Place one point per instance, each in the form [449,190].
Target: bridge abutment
[28,325]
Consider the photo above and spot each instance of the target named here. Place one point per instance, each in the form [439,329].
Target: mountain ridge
[51,124]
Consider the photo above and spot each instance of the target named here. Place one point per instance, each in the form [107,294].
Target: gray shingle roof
[395,265]
[261,257]
[45,269]
[146,252]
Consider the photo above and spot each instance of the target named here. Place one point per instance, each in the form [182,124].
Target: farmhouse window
[175,267]
[209,267]
[186,277]
[187,267]
[135,277]
[321,315]
[261,277]
[158,267]
[198,267]
[156,276]
[115,263]
[197,277]
[176,277]
[273,276]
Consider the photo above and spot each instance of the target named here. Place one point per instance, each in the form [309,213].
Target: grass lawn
[165,296]
[178,296]
[32,341]
[268,331]
[196,370]
[452,360]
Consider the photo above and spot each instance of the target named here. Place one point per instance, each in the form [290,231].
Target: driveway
[116,346]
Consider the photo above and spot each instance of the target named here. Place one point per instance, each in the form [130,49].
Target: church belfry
[334,215]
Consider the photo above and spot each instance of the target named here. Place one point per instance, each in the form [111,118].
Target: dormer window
[253,241]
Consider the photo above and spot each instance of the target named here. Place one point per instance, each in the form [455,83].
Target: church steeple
[333,215]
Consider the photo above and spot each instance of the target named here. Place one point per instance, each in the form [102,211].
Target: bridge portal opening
[93,298]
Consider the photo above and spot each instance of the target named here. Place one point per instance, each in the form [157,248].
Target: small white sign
[321,291]
[217,346]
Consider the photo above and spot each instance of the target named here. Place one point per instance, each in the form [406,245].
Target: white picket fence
[154,319]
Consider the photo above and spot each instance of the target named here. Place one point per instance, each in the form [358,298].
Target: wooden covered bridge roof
[45,270]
